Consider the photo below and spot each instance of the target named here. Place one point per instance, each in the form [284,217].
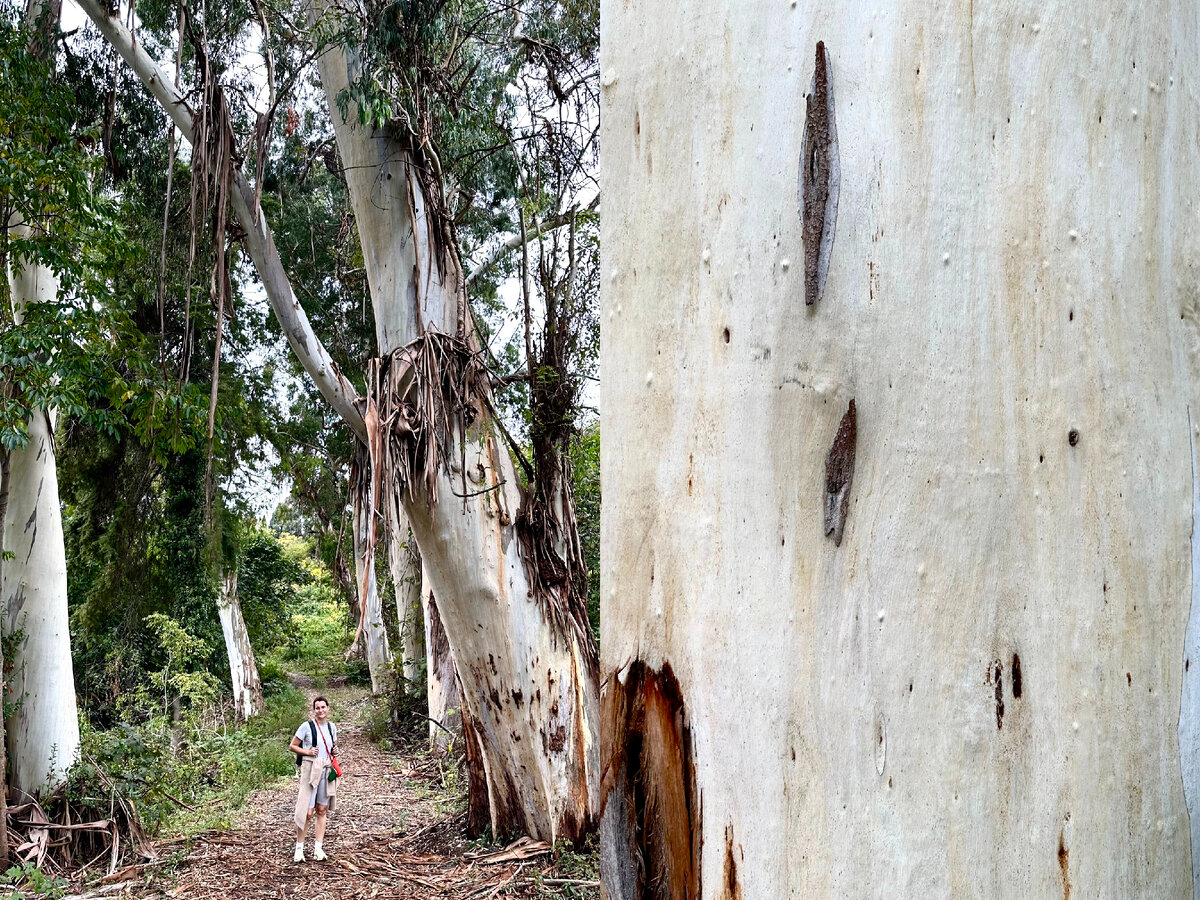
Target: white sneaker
[319,853]
[299,857]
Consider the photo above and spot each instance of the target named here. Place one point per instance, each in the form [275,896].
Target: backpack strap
[312,732]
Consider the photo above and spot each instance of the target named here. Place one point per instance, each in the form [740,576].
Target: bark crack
[820,178]
[839,473]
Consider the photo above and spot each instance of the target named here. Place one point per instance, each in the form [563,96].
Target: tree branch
[309,350]
[512,242]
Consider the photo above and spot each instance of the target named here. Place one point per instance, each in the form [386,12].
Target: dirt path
[395,834]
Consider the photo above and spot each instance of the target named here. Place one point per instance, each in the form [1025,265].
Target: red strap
[325,742]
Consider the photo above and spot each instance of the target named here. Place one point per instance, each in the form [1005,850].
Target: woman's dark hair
[319,699]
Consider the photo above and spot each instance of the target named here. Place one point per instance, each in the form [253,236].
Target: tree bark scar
[650,848]
[996,677]
[839,472]
[730,885]
[1064,861]
[820,178]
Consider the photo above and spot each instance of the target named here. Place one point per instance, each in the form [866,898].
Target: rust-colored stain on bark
[648,781]
[1017,683]
[1064,866]
[839,472]
[730,886]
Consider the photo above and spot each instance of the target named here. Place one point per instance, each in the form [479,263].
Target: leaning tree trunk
[243,673]
[43,728]
[442,689]
[944,640]
[527,663]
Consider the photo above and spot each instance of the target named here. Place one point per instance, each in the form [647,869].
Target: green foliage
[213,767]
[29,878]
[267,579]
[181,678]
[319,627]
[67,343]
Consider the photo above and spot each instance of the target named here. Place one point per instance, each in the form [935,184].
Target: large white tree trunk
[978,693]
[243,673]
[528,682]
[442,690]
[43,730]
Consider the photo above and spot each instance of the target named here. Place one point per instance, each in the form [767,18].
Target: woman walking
[315,743]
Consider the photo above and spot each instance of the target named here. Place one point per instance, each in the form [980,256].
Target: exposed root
[62,835]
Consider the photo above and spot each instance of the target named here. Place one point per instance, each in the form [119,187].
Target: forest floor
[397,831]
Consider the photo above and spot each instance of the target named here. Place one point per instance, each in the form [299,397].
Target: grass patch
[319,633]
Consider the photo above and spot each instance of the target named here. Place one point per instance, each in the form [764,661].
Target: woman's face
[321,710]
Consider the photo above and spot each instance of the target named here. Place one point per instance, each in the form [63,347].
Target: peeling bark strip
[649,780]
[820,178]
[839,472]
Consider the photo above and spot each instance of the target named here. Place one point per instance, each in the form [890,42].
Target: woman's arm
[295,747]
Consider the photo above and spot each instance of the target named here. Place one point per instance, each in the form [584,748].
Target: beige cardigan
[310,779]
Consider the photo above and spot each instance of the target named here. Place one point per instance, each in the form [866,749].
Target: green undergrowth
[319,633]
[194,776]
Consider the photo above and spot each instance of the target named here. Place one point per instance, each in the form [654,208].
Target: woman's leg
[319,827]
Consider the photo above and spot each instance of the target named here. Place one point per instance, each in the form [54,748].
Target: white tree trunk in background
[404,563]
[243,673]
[442,691]
[43,731]
[374,634]
[978,693]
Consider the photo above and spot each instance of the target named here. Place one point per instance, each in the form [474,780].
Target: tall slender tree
[42,733]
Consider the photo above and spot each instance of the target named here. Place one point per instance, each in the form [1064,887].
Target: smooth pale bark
[243,673]
[442,690]
[42,732]
[404,564]
[528,687]
[373,634]
[1012,302]
[42,735]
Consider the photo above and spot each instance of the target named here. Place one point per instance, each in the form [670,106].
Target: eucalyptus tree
[498,561]
[899,457]
[48,338]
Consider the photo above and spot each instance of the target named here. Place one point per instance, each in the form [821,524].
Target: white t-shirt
[328,731]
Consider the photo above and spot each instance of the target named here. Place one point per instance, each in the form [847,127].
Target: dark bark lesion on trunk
[819,178]
[651,830]
[839,472]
